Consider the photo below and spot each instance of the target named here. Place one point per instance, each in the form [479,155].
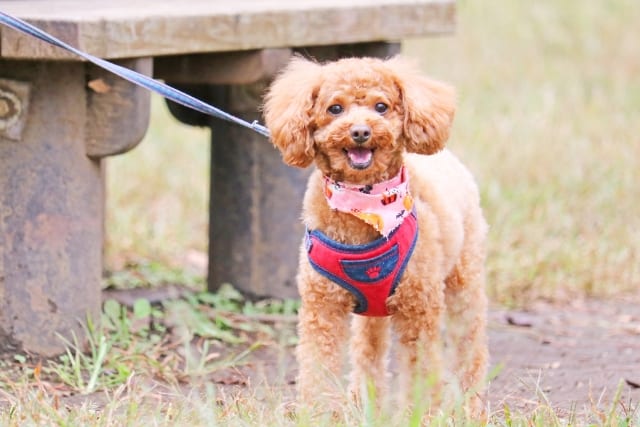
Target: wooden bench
[59,117]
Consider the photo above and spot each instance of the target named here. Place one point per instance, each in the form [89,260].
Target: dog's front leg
[417,320]
[368,354]
[322,331]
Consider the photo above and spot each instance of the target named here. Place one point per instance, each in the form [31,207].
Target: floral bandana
[383,205]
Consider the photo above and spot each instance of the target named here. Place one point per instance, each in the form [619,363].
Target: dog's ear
[428,107]
[288,111]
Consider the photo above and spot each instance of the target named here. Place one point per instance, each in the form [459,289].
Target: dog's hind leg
[369,357]
[466,317]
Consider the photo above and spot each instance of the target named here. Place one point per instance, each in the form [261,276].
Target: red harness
[370,272]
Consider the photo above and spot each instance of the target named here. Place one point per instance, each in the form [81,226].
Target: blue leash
[133,76]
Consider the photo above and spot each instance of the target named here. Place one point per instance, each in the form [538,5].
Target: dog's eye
[381,107]
[335,109]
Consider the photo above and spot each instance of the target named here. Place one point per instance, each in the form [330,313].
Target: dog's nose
[360,133]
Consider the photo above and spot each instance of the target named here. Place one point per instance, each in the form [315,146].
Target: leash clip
[261,129]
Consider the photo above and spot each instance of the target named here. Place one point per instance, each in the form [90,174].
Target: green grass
[146,364]
[152,365]
[141,402]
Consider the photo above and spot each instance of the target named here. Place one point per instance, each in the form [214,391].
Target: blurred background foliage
[548,120]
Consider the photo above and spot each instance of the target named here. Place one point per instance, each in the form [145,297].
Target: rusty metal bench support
[53,133]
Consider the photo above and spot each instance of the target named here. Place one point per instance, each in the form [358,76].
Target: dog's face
[356,117]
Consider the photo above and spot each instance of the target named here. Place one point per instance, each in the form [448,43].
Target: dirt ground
[577,354]
[573,357]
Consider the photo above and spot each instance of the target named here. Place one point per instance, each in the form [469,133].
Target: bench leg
[51,212]
[255,199]
[255,229]
[53,131]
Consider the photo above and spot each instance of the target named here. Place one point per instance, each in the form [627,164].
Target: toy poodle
[395,232]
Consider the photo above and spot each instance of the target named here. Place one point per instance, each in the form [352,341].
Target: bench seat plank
[138,28]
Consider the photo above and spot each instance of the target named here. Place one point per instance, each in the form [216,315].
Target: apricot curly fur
[444,279]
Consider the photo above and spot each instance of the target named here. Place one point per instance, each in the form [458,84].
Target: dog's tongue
[359,155]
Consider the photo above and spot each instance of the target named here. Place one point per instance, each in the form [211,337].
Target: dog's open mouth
[359,157]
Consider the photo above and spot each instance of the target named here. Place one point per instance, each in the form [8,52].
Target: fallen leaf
[632,329]
[632,384]
[625,318]
[520,319]
[553,365]
[231,379]
[37,370]
[99,86]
